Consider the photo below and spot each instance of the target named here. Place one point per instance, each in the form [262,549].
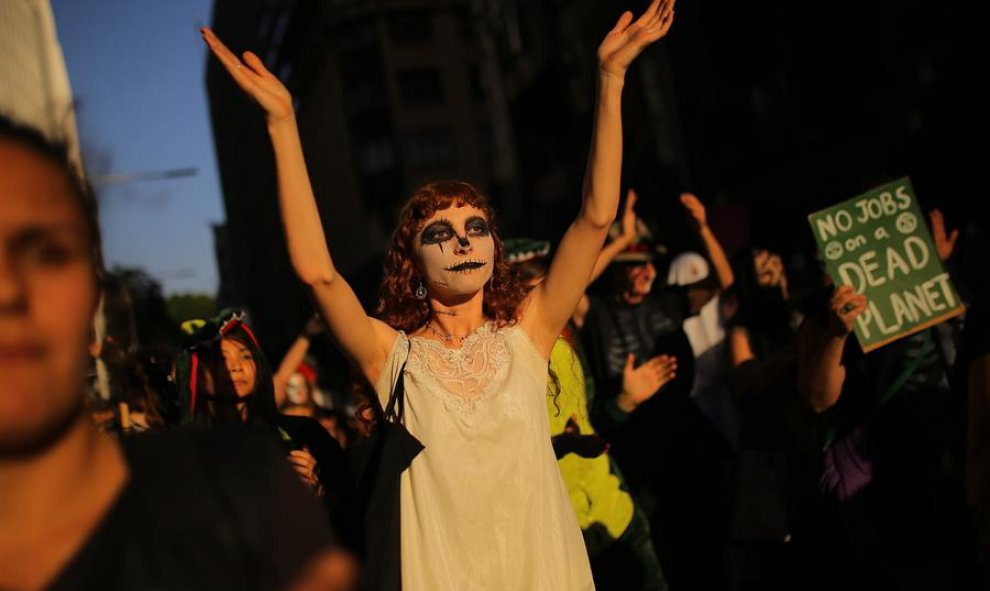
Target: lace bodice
[466,376]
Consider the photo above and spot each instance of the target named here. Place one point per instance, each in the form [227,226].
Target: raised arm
[820,348]
[723,270]
[294,357]
[552,301]
[363,339]
[627,237]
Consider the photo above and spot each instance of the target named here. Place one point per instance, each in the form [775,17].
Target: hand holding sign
[845,306]
[878,245]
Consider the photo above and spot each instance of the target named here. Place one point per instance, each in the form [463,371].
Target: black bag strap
[368,456]
[396,408]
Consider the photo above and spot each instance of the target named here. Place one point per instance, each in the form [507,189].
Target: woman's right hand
[253,78]
[639,384]
[846,305]
[629,231]
[628,39]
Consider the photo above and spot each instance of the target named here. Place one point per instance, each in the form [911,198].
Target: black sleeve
[328,454]
[299,524]
[228,494]
[606,416]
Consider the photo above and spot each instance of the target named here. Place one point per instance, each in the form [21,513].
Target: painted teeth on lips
[466,266]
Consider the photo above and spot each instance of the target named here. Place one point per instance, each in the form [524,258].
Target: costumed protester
[616,533]
[300,388]
[296,392]
[165,509]
[464,345]
[224,378]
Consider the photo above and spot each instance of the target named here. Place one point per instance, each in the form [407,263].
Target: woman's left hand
[628,39]
[696,208]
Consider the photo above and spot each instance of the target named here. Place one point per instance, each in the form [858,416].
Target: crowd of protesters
[596,413]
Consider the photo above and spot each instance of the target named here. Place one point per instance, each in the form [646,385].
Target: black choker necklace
[446,336]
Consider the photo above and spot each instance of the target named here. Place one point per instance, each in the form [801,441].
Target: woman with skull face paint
[483,506]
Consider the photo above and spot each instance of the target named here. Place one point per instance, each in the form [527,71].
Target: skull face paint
[456,251]
[297,389]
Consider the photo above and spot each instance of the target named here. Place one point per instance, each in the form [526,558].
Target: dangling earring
[420,292]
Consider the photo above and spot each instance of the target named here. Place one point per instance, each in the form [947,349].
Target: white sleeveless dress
[483,506]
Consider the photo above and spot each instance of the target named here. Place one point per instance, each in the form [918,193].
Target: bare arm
[294,357]
[723,270]
[820,370]
[363,339]
[628,236]
[740,349]
[552,301]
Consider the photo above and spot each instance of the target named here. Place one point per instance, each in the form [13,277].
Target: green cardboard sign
[880,245]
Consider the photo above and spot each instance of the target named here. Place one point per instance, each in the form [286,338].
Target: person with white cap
[704,323]
[671,454]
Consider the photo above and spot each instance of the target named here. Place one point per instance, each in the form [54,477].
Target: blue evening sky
[137,70]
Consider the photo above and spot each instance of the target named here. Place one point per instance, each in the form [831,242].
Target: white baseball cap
[687,268]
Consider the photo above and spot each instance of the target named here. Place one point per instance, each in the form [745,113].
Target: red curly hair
[397,306]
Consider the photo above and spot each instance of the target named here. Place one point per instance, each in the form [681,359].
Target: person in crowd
[338,424]
[79,510]
[671,454]
[705,314]
[483,505]
[893,512]
[295,379]
[773,473]
[616,533]
[224,377]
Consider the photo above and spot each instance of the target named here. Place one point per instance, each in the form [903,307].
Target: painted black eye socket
[436,233]
[477,227]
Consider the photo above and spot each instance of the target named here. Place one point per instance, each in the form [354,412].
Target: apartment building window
[410,27]
[420,86]
[428,147]
[376,155]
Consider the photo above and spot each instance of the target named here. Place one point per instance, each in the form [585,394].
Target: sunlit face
[769,268]
[456,252]
[240,366]
[639,279]
[48,295]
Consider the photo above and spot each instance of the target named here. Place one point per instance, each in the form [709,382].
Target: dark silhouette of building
[766,111]
[388,94]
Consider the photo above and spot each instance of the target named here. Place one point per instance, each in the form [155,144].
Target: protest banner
[879,244]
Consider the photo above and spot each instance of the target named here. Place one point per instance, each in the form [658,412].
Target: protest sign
[879,244]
